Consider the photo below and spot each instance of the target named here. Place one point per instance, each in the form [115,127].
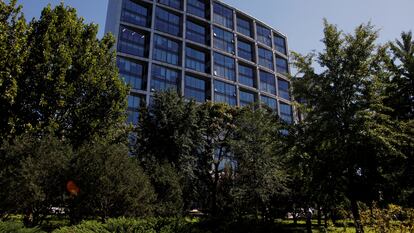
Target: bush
[17,227]
[84,227]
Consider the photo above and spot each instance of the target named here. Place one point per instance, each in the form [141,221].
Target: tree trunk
[319,215]
[308,220]
[214,191]
[357,218]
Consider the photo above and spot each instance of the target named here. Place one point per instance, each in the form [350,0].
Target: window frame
[196,60]
[227,64]
[195,89]
[135,77]
[163,78]
[195,10]
[242,51]
[244,76]
[281,48]
[223,40]
[244,102]
[229,98]
[282,69]
[194,35]
[282,90]
[220,17]
[264,35]
[168,25]
[172,3]
[128,7]
[245,31]
[264,56]
[267,82]
[170,52]
[125,44]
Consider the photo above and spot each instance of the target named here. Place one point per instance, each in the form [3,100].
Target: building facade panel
[205,50]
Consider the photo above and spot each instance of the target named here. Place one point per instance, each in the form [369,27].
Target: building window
[132,42]
[246,98]
[195,60]
[283,87]
[223,40]
[280,44]
[246,76]
[223,15]
[286,112]
[166,50]
[265,58]
[282,65]
[132,73]
[164,79]
[267,82]
[224,93]
[172,3]
[195,88]
[245,50]
[264,36]
[269,102]
[224,66]
[244,27]
[134,104]
[196,33]
[167,22]
[197,7]
[135,13]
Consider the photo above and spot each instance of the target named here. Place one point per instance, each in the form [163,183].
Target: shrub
[84,227]
[17,227]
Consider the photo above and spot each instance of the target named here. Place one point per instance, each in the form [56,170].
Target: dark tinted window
[195,88]
[167,22]
[282,65]
[223,40]
[224,93]
[172,3]
[267,82]
[197,7]
[134,104]
[164,78]
[135,13]
[195,59]
[223,15]
[263,35]
[166,50]
[245,50]
[270,102]
[132,42]
[246,98]
[265,58]
[246,76]
[244,27]
[196,32]
[280,44]
[286,112]
[284,89]
[132,73]
[224,66]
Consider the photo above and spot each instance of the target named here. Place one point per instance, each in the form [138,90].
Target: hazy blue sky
[300,20]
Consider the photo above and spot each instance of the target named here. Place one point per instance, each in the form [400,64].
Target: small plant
[17,227]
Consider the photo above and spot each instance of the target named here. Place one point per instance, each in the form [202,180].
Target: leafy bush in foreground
[17,227]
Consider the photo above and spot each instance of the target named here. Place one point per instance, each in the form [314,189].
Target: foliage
[56,74]
[16,227]
[33,174]
[111,183]
[258,147]
[353,139]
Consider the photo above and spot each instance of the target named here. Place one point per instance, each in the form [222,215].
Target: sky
[300,20]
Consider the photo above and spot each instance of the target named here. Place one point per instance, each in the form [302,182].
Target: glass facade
[223,15]
[286,113]
[244,27]
[245,50]
[132,42]
[132,73]
[177,4]
[282,65]
[134,104]
[246,76]
[280,44]
[166,50]
[167,22]
[265,58]
[164,78]
[283,88]
[269,102]
[196,32]
[263,35]
[267,82]
[195,59]
[223,40]
[224,93]
[246,98]
[197,8]
[135,13]
[204,50]
[195,89]
[224,67]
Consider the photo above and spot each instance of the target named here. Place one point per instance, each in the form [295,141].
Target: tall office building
[203,49]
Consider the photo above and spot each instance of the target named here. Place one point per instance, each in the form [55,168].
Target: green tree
[110,182]
[13,54]
[353,139]
[259,147]
[167,136]
[399,97]
[60,76]
[33,176]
